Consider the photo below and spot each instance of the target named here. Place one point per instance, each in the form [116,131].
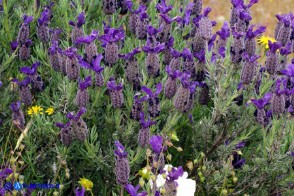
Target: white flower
[186,187]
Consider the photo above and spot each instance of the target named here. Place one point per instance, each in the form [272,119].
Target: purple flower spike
[245,15]
[120,151]
[1,83]
[32,70]
[13,45]
[224,33]
[260,103]
[130,55]
[274,46]
[149,91]
[156,143]
[111,85]
[145,124]
[88,39]
[187,54]
[175,174]
[27,19]
[252,34]
[71,116]
[80,191]
[237,35]
[133,191]
[86,83]
[15,106]
[289,71]
[163,8]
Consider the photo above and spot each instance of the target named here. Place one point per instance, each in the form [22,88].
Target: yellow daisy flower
[263,40]
[87,184]
[49,111]
[34,110]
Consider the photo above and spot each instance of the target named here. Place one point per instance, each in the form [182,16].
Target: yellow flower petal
[263,40]
[49,111]
[87,184]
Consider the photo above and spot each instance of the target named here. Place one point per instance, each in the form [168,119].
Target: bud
[154,107]
[141,182]
[169,157]
[21,147]
[148,152]
[202,179]
[179,149]
[271,63]
[200,174]
[224,192]
[198,43]
[164,175]
[12,160]
[55,193]
[162,191]
[72,68]
[203,168]
[235,180]
[21,162]
[63,162]
[16,175]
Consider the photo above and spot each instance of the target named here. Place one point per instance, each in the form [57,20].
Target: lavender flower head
[122,168]
[24,90]
[17,115]
[109,42]
[144,132]
[13,45]
[24,31]
[289,71]
[137,106]
[152,63]
[116,93]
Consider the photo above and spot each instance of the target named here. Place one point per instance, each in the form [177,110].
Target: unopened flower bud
[224,192]
[141,182]
[15,175]
[203,168]
[179,149]
[235,180]
[169,157]
[202,179]
[55,193]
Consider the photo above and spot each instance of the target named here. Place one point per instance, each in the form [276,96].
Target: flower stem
[122,190]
